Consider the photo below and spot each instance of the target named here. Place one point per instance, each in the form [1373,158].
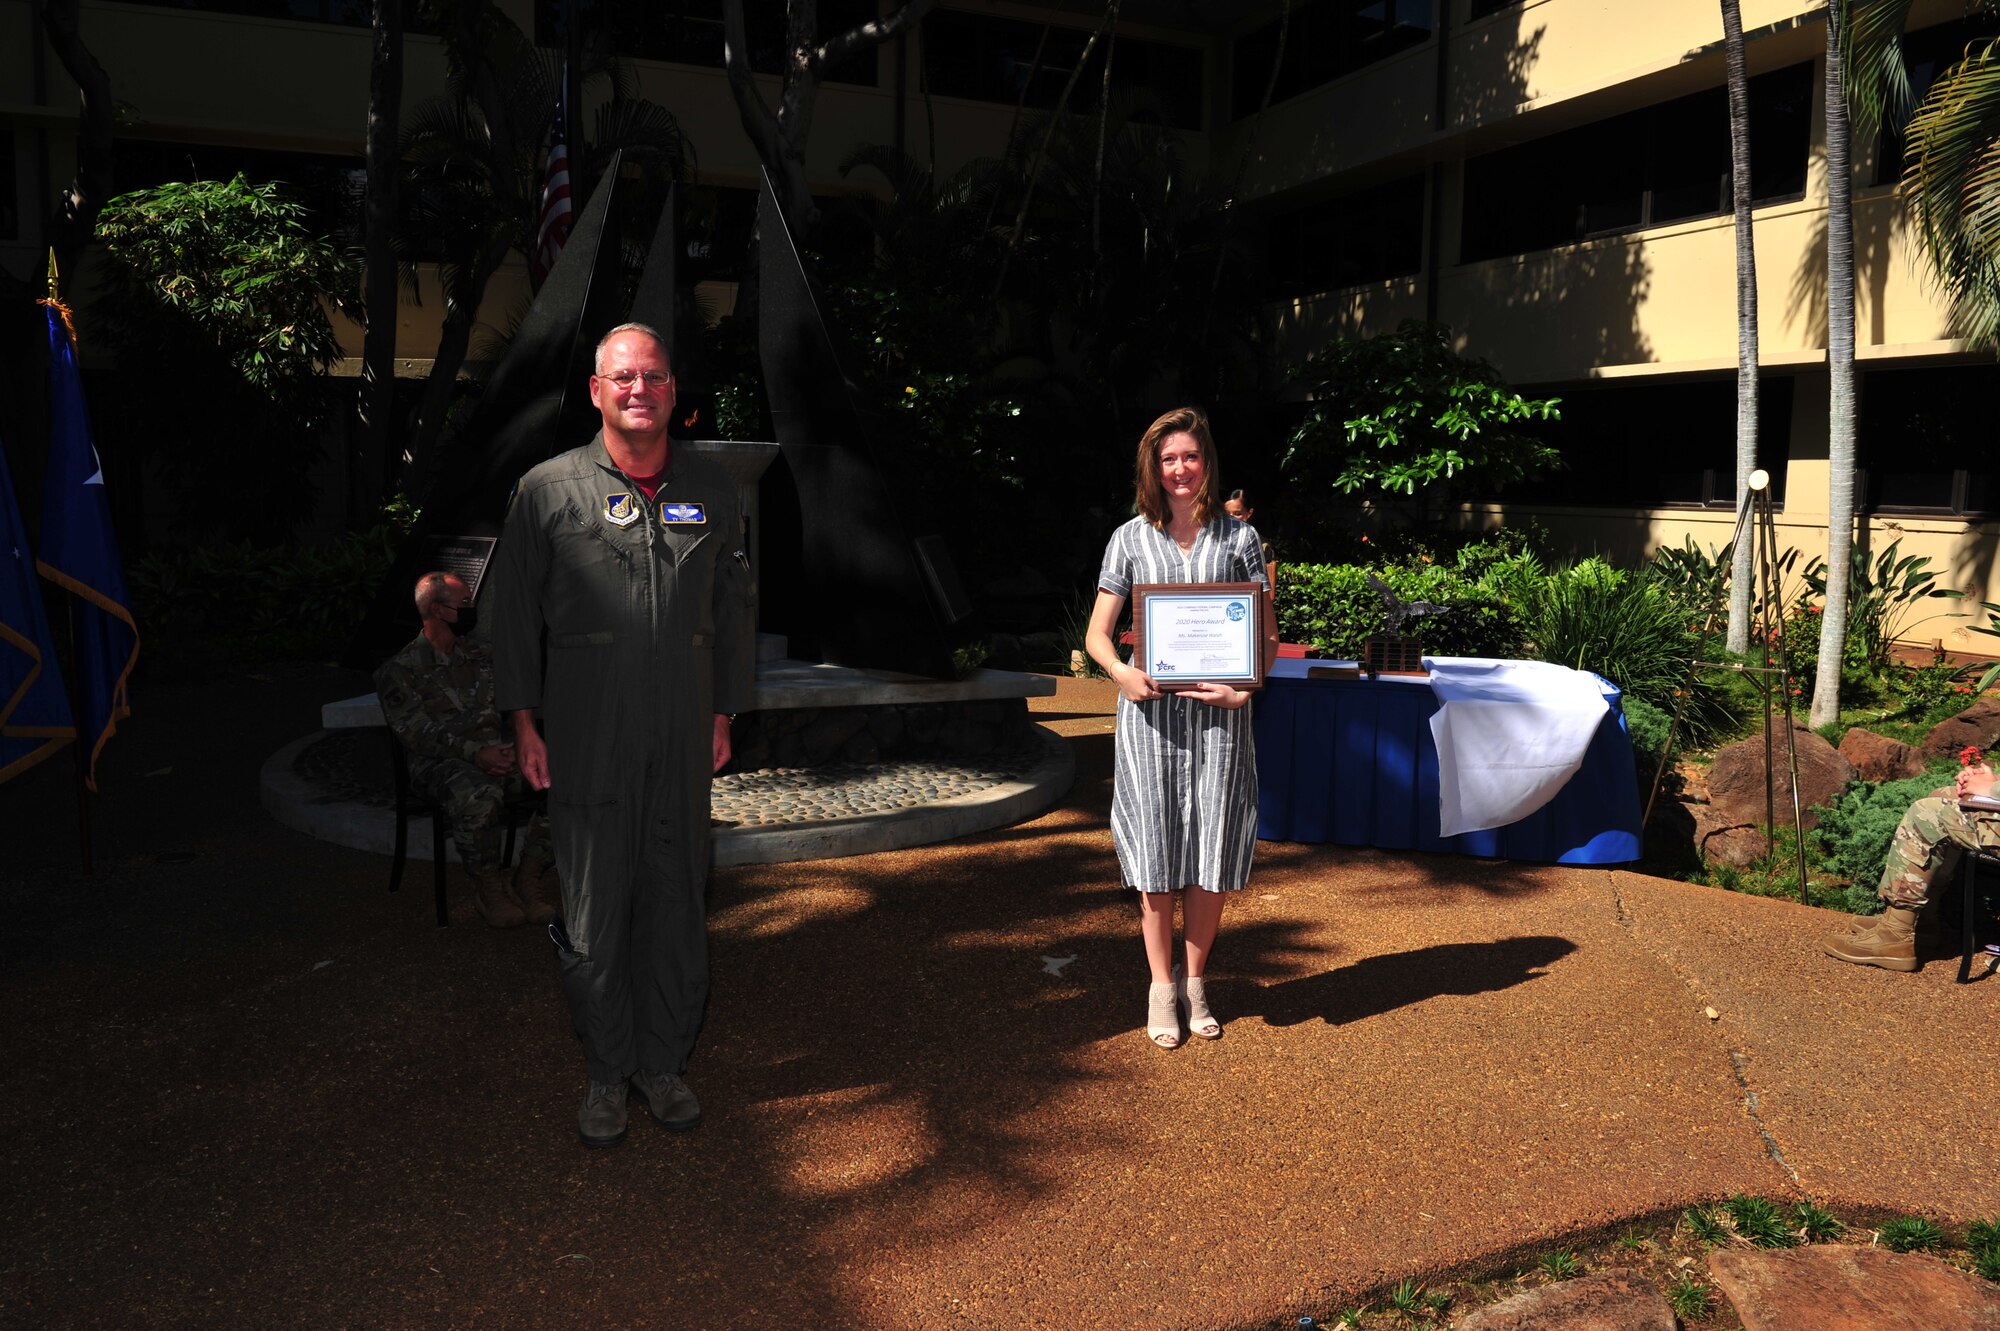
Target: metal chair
[1975,861]
[411,801]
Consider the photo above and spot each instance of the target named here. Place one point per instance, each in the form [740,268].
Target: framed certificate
[1189,633]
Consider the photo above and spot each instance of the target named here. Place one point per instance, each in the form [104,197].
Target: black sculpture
[535,406]
[880,598]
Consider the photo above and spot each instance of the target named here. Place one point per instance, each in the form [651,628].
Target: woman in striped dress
[1184,784]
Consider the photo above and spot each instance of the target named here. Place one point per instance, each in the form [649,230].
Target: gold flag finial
[54,300]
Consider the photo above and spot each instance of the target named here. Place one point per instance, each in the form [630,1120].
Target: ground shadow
[1375,985]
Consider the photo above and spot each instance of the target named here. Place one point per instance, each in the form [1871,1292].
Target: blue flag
[80,554]
[34,710]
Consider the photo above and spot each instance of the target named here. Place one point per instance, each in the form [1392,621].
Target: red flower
[1968,755]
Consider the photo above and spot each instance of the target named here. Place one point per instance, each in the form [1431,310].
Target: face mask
[467,621]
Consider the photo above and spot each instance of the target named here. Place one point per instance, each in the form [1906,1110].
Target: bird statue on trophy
[1393,652]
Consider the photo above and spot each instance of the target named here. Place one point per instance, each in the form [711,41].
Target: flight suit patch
[620,510]
[672,511]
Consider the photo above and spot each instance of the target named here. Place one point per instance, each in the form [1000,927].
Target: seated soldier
[437,694]
[1926,845]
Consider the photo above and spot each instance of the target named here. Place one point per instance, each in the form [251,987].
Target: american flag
[554,216]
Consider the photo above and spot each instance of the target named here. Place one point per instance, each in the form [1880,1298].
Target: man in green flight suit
[628,553]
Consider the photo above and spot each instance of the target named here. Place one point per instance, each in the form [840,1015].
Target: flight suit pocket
[582,707]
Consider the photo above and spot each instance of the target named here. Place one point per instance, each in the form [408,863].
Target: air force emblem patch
[620,510]
[683,512]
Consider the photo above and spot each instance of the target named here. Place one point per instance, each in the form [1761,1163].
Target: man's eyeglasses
[628,378]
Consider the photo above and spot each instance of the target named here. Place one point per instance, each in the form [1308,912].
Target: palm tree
[1839,369]
[1741,573]
[1954,190]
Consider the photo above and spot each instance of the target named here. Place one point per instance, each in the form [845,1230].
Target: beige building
[1548,177]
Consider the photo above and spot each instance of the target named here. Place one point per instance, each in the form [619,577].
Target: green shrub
[1628,628]
[1759,1221]
[1331,607]
[1647,725]
[1856,828]
[263,602]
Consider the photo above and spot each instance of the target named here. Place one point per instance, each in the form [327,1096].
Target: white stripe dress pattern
[1184,774]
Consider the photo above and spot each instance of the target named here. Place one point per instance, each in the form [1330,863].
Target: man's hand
[720,746]
[529,749]
[495,759]
[1974,780]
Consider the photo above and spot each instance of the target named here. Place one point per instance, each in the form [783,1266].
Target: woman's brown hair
[1146,469]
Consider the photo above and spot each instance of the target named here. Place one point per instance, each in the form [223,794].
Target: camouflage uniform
[441,708]
[1928,843]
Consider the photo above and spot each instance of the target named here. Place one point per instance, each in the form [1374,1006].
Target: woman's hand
[1218,695]
[1135,684]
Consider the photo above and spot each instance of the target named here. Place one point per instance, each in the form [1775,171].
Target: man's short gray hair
[430,588]
[597,361]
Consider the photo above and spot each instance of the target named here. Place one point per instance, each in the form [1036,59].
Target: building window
[1481,8]
[987,58]
[1370,236]
[689,32]
[1925,439]
[1323,40]
[1684,429]
[1661,164]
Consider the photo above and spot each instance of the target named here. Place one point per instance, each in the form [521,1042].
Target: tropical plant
[1882,594]
[1403,413]
[374,401]
[1949,182]
[1630,629]
[215,294]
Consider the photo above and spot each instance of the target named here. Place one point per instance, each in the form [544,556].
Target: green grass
[1983,1235]
[1559,1265]
[1760,1221]
[1701,1222]
[1816,1223]
[1408,1298]
[1911,1233]
[1689,1298]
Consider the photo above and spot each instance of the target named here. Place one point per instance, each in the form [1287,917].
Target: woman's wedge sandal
[1163,1015]
[1201,1021]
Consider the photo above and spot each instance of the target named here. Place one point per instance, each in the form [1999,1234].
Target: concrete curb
[298,805]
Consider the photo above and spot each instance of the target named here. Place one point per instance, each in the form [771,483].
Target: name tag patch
[621,510]
[680,511]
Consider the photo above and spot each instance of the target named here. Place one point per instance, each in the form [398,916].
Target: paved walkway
[248,1087]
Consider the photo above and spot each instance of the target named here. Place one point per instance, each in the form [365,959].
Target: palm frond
[1952,183]
[1871,49]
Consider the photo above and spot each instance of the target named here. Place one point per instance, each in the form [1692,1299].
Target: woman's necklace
[1186,543]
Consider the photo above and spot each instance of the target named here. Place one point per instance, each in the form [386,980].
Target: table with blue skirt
[1353,762]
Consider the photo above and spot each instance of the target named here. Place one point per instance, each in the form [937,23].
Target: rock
[1977,725]
[1600,1301]
[1838,1288]
[1736,778]
[1718,838]
[1879,758]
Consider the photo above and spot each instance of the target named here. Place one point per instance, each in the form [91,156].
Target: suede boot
[1892,944]
[532,888]
[495,900]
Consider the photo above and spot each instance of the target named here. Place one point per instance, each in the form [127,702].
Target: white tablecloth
[1509,735]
